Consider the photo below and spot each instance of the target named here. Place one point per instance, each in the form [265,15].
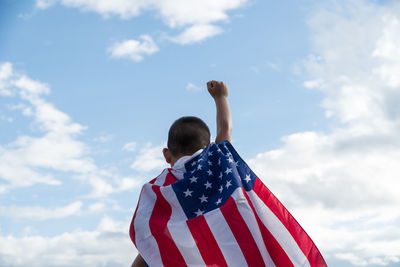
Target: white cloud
[313,84]
[134,49]
[178,13]
[129,183]
[124,8]
[192,87]
[131,146]
[150,158]
[195,17]
[107,245]
[196,33]
[342,186]
[96,207]
[387,52]
[43,4]
[41,213]
[104,182]
[174,12]
[55,148]
[103,138]
[30,88]
[5,74]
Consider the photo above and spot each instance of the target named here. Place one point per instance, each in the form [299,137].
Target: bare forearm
[224,120]
[219,92]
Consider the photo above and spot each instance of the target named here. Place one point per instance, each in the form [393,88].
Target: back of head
[187,135]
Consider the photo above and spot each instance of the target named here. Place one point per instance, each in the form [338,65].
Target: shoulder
[165,178]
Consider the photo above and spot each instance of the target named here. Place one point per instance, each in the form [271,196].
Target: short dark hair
[187,135]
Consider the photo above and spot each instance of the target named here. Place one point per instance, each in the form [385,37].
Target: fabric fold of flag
[219,214]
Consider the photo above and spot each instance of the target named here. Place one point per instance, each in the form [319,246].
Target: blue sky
[88,90]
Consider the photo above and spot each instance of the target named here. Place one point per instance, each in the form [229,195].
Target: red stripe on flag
[241,233]
[170,179]
[205,241]
[169,252]
[275,250]
[132,227]
[302,239]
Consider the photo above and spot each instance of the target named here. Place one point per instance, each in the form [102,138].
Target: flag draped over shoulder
[218,214]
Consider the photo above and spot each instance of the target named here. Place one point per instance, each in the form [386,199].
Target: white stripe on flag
[145,241]
[251,222]
[225,239]
[179,230]
[161,178]
[279,231]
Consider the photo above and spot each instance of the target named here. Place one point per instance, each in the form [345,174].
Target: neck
[175,159]
[173,162]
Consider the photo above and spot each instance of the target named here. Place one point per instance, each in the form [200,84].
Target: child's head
[186,136]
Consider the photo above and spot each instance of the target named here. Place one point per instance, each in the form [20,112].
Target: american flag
[218,214]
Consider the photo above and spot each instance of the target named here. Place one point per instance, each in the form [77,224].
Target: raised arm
[219,91]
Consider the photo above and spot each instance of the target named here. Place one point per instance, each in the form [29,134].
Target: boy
[189,135]
[210,209]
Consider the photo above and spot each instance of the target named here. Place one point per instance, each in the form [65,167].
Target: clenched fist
[217,89]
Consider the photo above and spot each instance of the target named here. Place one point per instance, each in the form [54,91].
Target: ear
[167,155]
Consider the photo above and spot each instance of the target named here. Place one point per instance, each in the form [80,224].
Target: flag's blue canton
[210,179]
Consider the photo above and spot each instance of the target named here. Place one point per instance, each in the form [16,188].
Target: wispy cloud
[192,87]
[273,66]
[196,33]
[41,213]
[43,4]
[6,118]
[131,146]
[103,138]
[150,158]
[134,49]
[5,74]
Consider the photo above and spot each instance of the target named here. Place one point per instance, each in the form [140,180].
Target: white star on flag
[193,179]
[220,189]
[188,193]
[208,185]
[247,178]
[199,212]
[203,198]
[228,170]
